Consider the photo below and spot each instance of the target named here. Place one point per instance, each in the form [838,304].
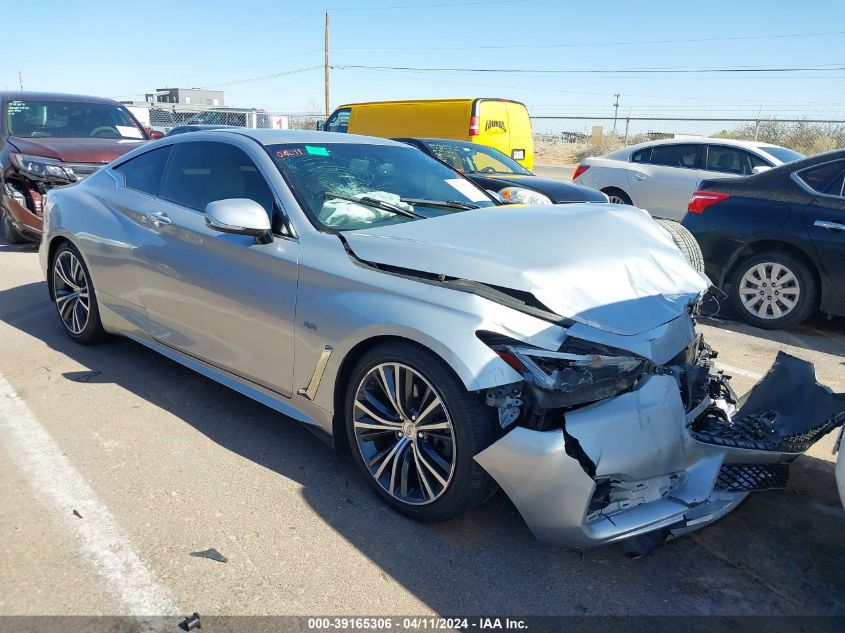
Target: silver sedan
[450,343]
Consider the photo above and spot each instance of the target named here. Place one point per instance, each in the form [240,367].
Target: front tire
[74,296]
[773,290]
[10,233]
[413,430]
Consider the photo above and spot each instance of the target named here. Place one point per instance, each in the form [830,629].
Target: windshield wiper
[376,203]
[450,204]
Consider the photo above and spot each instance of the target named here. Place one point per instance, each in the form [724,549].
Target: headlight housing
[567,378]
[522,195]
[42,168]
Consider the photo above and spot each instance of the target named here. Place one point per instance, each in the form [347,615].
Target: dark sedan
[775,242]
[494,171]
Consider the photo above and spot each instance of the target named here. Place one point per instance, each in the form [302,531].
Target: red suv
[54,139]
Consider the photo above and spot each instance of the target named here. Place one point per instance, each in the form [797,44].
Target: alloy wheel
[612,199]
[404,433]
[71,292]
[769,290]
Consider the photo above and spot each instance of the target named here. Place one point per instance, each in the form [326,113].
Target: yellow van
[499,123]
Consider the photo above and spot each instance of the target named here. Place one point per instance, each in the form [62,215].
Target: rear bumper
[635,464]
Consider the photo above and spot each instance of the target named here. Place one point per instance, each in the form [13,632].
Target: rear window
[32,118]
[825,178]
[783,154]
[685,156]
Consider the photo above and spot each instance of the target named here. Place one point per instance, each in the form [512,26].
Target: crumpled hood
[607,266]
[76,150]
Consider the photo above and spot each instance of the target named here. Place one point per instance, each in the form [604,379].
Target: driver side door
[221,298]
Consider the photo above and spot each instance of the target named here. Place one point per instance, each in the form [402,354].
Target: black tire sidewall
[471,426]
[10,233]
[93,331]
[807,284]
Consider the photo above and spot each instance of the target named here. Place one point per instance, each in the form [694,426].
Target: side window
[685,156]
[641,155]
[827,178]
[732,160]
[339,121]
[143,173]
[205,171]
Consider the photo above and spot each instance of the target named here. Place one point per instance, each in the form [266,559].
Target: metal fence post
[627,122]
[756,128]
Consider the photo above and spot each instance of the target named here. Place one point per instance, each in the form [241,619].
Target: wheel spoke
[62,274]
[428,466]
[421,475]
[435,403]
[382,422]
[390,389]
[402,443]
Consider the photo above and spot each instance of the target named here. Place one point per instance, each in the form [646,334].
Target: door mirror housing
[759,169]
[239,216]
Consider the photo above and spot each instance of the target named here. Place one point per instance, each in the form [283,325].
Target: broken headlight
[575,376]
[42,168]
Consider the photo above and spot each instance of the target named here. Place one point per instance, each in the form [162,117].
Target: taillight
[580,170]
[473,126]
[700,200]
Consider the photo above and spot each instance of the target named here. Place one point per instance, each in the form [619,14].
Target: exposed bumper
[631,464]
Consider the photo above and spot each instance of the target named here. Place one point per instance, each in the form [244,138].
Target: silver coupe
[452,343]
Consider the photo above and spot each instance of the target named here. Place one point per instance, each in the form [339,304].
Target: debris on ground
[87,376]
[191,622]
[211,553]
[76,514]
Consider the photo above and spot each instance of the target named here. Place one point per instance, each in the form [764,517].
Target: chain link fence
[567,139]
[163,117]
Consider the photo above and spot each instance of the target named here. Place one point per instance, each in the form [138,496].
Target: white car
[660,176]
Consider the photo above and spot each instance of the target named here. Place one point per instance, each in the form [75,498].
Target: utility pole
[327,65]
[615,112]
[20,80]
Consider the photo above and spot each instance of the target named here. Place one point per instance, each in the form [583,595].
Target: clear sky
[124,49]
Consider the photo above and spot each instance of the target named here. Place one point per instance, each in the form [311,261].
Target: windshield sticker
[473,193]
[289,153]
[316,151]
[127,131]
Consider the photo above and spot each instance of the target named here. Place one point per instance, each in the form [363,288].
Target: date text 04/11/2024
[416,623]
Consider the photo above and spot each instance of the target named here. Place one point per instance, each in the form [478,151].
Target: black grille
[758,431]
[749,477]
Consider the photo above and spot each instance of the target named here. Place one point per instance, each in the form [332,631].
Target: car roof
[273,137]
[17,95]
[708,140]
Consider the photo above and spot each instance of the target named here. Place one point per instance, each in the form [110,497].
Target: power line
[584,71]
[263,77]
[600,44]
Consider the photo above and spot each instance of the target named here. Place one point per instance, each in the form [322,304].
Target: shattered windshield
[352,186]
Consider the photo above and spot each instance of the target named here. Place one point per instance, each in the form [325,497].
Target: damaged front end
[599,445]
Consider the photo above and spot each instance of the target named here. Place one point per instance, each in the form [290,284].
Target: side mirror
[320,125]
[239,216]
[759,169]
[156,134]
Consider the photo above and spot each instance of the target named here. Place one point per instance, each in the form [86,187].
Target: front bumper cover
[639,462]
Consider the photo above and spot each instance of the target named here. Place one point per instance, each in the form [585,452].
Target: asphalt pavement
[117,464]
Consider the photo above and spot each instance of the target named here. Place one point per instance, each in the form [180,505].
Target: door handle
[639,176]
[827,224]
[159,219]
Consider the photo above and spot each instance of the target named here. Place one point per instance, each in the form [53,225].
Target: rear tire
[685,241]
[420,464]
[617,196]
[773,290]
[10,233]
